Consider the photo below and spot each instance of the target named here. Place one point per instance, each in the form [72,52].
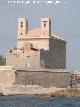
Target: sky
[65,17]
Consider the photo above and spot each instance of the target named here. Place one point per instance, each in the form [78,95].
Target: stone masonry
[37,48]
[43,78]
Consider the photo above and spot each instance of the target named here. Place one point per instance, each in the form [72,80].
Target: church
[37,48]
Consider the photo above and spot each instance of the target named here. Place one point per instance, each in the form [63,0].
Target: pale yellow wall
[28,59]
[7,76]
[48,25]
[24,29]
[37,43]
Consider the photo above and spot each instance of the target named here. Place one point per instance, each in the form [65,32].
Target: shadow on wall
[55,57]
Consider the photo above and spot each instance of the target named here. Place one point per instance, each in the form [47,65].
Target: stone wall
[43,78]
[25,63]
[7,76]
[55,57]
[37,42]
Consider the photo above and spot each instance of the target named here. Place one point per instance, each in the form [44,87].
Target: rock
[1,94]
[45,95]
[66,93]
[57,93]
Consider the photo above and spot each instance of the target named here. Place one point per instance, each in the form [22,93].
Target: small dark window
[10,51]
[21,24]
[23,52]
[44,24]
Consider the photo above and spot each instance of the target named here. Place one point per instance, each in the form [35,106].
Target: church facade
[37,48]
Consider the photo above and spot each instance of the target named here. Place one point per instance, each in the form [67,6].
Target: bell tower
[22,27]
[46,25]
[22,30]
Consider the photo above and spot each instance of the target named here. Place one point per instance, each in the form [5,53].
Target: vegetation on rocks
[72,92]
[2,61]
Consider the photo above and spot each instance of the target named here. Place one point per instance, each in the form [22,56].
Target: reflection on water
[33,101]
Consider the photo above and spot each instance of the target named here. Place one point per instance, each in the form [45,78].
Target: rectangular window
[44,24]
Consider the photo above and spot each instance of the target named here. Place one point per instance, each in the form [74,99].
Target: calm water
[32,101]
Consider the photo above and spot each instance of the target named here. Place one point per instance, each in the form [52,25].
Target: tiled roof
[35,32]
[39,33]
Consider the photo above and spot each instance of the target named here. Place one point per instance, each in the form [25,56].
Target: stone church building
[37,48]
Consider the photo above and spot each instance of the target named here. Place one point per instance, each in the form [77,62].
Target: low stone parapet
[7,76]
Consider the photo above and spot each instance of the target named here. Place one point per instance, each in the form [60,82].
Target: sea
[35,101]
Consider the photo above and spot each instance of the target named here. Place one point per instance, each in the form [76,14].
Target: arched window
[21,24]
[44,24]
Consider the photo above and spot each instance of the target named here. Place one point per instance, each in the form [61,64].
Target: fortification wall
[37,43]
[57,54]
[55,57]
[43,78]
[25,63]
[7,76]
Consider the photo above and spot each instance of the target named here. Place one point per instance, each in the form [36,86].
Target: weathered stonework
[7,74]
[24,58]
[43,78]
[50,49]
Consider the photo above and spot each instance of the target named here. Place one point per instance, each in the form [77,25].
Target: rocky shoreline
[60,93]
[72,92]
[17,89]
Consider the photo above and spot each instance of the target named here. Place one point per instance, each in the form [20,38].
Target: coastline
[13,89]
[17,89]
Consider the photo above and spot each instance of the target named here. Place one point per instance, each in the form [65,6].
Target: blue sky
[65,21]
